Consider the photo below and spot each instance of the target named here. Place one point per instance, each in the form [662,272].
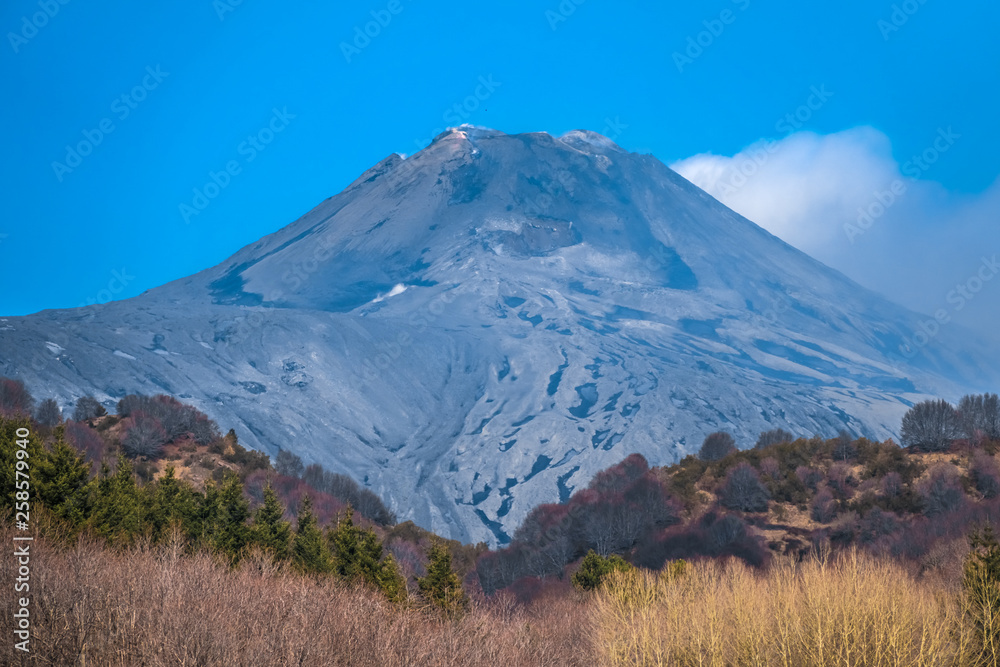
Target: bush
[594,568]
[875,525]
[716,446]
[984,475]
[981,585]
[743,491]
[824,507]
[941,492]
[930,426]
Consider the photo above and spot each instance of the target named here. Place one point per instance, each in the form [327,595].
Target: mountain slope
[482,326]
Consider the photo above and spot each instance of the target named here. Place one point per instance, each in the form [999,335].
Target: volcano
[482,326]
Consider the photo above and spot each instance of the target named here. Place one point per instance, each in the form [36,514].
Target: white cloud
[843,199]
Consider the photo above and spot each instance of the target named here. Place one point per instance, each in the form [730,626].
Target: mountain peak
[482,327]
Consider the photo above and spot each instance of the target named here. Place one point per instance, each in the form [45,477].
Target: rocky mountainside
[482,326]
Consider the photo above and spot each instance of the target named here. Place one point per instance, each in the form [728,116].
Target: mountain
[482,326]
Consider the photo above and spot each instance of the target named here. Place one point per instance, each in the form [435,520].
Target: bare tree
[930,426]
[144,435]
[941,491]
[743,491]
[48,413]
[985,475]
[286,463]
[15,398]
[773,437]
[716,446]
[88,407]
[980,414]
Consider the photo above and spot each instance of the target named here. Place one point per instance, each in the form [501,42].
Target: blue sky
[695,84]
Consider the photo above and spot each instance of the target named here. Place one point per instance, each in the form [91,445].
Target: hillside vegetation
[797,551]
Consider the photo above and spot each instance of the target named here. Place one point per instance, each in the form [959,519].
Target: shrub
[716,446]
[941,492]
[824,507]
[984,474]
[809,477]
[594,568]
[875,525]
[743,491]
[981,585]
[930,426]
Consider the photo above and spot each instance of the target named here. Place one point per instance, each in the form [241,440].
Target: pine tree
[269,530]
[442,587]
[9,458]
[309,554]
[62,481]
[356,552]
[391,581]
[116,512]
[171,501]
[231,533]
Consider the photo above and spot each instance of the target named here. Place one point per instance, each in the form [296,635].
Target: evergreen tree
[116,511]
[269,530]
[442,587]
[309,554]
[391,581]
[356,552]
[9,458]
[595,567]
[62,481]
[206,519]
[231,533]
[171,501]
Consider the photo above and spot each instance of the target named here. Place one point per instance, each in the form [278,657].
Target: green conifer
[309,554]
[442,587]
[270,531]
[62,481]
[116,513]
